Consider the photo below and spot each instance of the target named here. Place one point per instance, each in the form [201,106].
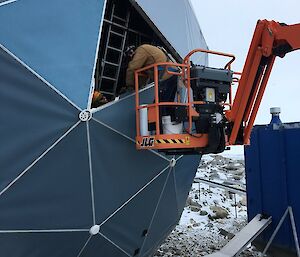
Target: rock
[225,233]
[236,177]
[203,213]
[191,202]
[243,201]
[219,160]
[195,208]
[228,194]
[177,252]
[231,167]
[202,165]
[196,224]
[219,212]
[214,175]
[213,247]
[188,201]
[196,204]
[238,172]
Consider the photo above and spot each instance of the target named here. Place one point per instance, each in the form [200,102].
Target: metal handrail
[156,103]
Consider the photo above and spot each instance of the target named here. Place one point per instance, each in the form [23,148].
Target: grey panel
[121,115]
[119,170]
[53,194]
[129,226]
[185,34]
[32,117]
[185,171]
[42,244]
[165,219]
[58,39]
[101,247]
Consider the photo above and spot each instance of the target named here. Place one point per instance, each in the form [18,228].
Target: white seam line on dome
[7,2]
[156,208]
[176,191]
[91,171]
[175,186]
[129,138]
[179,158]
[84,246]
[114,130]
[114,244]
[140,91]
[121,99]
[39,76]
[43,231]
[175,183]
[39,158]
[133,196]
[96,57]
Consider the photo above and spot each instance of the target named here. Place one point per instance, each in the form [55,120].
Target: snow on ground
[212,216]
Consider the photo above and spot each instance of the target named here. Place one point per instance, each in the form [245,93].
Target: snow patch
[212,216]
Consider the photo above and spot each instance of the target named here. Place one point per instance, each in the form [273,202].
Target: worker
[143,56]
[146,55]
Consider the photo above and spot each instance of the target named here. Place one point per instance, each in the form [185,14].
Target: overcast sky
[228,27]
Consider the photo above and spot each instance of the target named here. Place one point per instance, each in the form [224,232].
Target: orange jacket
[144,55]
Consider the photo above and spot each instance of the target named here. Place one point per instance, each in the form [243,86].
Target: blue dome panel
[61,48]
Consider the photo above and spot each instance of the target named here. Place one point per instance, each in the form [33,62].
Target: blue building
[272,173]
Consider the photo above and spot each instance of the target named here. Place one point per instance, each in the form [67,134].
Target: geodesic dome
[71,181]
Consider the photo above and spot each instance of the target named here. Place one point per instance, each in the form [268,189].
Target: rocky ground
[212,216]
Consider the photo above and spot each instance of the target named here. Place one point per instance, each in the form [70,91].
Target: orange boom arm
[270,39]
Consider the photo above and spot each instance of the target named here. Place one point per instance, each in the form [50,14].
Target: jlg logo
[147,142]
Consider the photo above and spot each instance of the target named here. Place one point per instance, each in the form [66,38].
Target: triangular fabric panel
[124,121]
[119,171]
[41,244]
[32,116]
[184,172]
[129,226]
[55,193]
[166,217]
[98,246]
[62,47]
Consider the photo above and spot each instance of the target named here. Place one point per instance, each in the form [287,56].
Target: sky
[228,26]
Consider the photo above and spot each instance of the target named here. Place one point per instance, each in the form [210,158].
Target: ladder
[110,67]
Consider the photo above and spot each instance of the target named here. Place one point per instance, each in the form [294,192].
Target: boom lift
[208,119]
